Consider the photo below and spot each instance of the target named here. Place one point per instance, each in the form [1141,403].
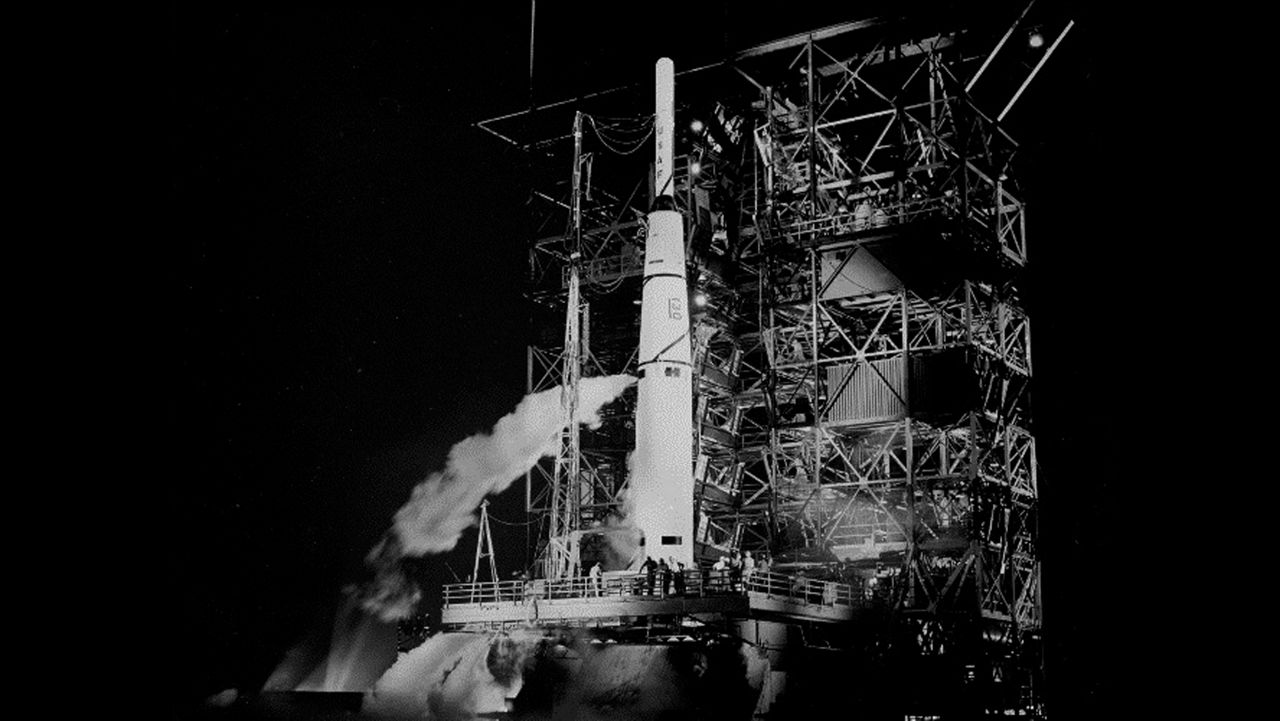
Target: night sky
[350,300]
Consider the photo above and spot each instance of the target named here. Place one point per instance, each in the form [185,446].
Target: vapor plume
[454,677]
[444,505]
[624,533]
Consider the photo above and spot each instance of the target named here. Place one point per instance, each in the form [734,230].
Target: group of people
[658,578]
[667,577]
[734,573]
[664,576]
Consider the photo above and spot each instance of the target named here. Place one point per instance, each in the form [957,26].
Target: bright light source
[695,167]
[700,299]
[696,126]
[1035,40]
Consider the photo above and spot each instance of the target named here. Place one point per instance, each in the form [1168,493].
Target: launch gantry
[857,243]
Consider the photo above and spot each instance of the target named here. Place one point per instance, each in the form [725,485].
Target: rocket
[662,470]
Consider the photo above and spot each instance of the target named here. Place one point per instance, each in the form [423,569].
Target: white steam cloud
[453,677]
[624,534]
[444,505]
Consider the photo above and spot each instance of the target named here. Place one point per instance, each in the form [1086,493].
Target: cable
[624,138]
[615,143]
[625,117]
[495,519]
[636,127]
[619,150]
[609,143]
[630,128]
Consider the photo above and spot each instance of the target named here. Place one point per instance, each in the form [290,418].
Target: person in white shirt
[719,573]
[594,578]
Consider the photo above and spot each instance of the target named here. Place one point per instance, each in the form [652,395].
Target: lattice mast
[484,552]
[562,557]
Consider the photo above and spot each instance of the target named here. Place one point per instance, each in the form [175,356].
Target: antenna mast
[484,549]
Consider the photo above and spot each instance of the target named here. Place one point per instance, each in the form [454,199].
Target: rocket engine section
[662,470]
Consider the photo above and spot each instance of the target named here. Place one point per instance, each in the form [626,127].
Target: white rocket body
[662,469]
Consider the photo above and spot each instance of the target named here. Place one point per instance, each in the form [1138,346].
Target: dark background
[349,296]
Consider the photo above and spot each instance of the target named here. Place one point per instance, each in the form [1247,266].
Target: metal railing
[808,231]
[483,592]
[618,586]
[607,268]
[632,587]
[800,588]
[993,213]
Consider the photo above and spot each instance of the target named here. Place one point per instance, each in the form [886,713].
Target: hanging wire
[636,123]
[621,135]
[495,519]
[612,285]
[624,144]
[612,137]
[635,120]
[630,127]
[618,149]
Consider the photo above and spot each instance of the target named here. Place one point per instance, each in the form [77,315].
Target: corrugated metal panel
[867,396]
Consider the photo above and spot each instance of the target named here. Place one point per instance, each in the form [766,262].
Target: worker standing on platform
[748,568]
[800,586]
[664,577]
[879,218]
[862,214]
[735,571]
[718,571]
[594,576]
[843,221]
[650,569]
[679,578]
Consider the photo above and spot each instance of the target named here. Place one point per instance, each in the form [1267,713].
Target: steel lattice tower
[858,241]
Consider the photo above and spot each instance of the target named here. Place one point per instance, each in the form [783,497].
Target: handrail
[631,587]
[991,208]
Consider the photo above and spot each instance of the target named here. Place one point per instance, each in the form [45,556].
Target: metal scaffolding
[857,246]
